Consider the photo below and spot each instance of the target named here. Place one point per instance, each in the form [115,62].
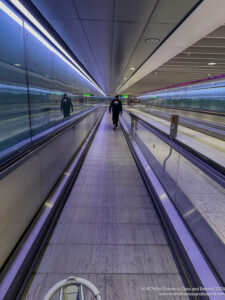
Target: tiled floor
[108,231]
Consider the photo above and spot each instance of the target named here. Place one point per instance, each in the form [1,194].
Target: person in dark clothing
[116,108]
[66,104]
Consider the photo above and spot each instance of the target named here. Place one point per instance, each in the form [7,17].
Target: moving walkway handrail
[207,165]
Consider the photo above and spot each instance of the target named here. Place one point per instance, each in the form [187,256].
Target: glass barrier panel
[14,110]
[198,198]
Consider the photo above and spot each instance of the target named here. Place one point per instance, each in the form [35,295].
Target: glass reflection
[33,78]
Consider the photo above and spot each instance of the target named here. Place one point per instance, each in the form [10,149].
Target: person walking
[116,108]
[66,104]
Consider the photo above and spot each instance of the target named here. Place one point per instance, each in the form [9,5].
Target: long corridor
[109,231]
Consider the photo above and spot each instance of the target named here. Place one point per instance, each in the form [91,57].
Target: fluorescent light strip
[43,41]
[38,36]
[42,29]
[45,32]
[10,13]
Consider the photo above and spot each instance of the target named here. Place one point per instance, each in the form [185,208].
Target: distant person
[66,105]
[116,107]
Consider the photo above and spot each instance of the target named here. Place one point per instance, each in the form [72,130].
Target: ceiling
[191,64]
[108,37]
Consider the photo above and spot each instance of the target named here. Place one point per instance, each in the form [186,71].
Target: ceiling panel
[211,42]
[220,32]
[186,56]
[133,10]
[172,11]
[144,49]
[99,35]
[124,40]
[56,10]
[211,50]
[95,9]
[156,30]
[71,37]
[193,62]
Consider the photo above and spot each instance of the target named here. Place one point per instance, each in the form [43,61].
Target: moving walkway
[117,218]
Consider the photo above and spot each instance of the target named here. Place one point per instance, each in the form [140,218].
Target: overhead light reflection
[34,21]
[10,13]
[211,64]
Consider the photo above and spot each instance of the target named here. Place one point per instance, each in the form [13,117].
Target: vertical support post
[174,119]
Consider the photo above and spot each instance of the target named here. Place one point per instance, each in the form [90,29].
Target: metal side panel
[27,185]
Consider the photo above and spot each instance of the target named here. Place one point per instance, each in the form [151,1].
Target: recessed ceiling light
[211,63]
[152,40]
[17,65]
[132,69]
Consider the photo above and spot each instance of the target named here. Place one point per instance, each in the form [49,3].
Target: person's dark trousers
[66,113]
[115,118]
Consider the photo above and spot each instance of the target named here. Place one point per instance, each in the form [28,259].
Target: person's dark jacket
[66,104]
[116,106]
